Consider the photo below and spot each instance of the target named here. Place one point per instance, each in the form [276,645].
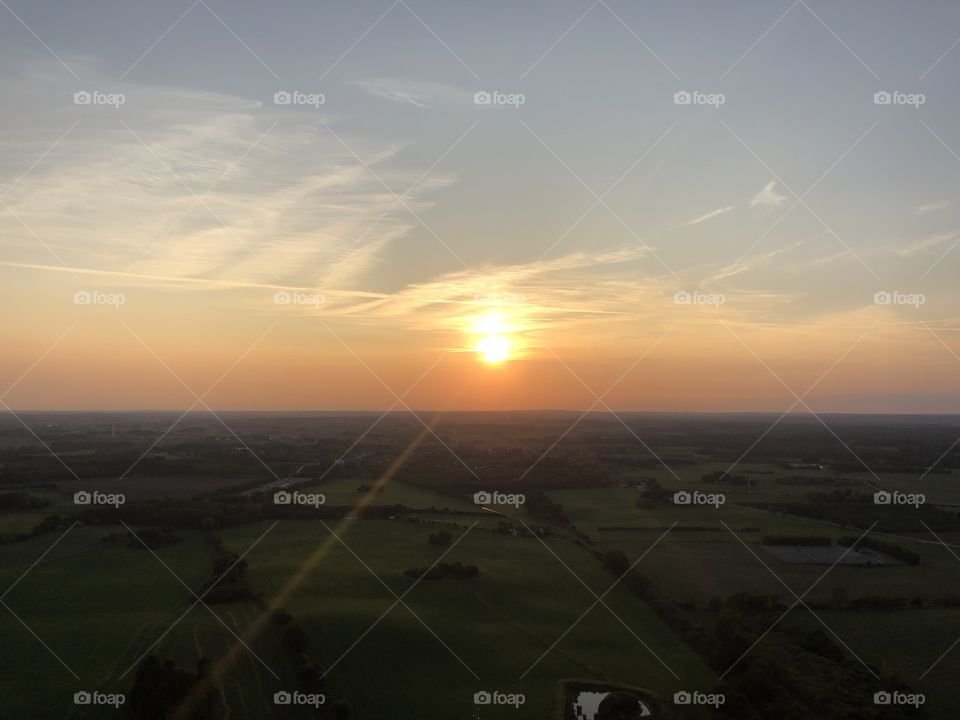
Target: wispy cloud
[753,262]
[919,246]
[709,216]
[933,207]
[827,259]
[410,92]
[768,197]
[182,184]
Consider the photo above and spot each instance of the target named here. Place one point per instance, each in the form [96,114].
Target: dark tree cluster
[162,691]
[445,571]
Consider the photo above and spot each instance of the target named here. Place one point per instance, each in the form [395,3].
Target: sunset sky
[399,244]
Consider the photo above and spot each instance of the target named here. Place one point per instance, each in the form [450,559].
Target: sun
[492,336]
[493,349]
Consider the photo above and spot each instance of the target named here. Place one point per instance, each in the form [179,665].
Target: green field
[694,565]
[497,625]
[101,607]
[345,492]
[89,603]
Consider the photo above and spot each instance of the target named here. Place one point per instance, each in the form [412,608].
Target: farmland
[400,591]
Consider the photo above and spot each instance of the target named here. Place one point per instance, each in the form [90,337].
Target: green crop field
[346,492]
[87,602]
[701,558]
[496,626]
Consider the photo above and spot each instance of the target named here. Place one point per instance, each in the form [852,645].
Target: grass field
[345,492]
[496,626]
[693,566]
[258,671]
[17,522]
[74,603]
[136,487]
[99,607]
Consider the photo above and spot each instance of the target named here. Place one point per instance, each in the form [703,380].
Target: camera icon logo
[682,497]
[882,697]
[282,697]
[882,98]
[82,498]
[82,98]
[482,498]
[482,98]
[282,297]
[882,298]
[482,698]
[82,297]
[682,98]
[882,497]
[282,498]
[682,297]
[282,98]
[82,697]
[682,697]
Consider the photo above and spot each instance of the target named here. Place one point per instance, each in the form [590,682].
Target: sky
[612,205]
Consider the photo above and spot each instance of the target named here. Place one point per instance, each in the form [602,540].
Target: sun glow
[493,349]
[492,338]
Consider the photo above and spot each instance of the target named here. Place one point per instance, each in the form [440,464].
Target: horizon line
[388,411]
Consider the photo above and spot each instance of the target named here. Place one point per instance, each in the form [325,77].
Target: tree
[615,562]
[281,617]
[618,706]
[295,638]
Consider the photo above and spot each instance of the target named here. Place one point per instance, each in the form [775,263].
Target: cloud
[410,92]
[933,207]
[579,290]
[768,197]
[708,216]
[829,259]
[918,246]
[183,184]
[748,264]
[606,296]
